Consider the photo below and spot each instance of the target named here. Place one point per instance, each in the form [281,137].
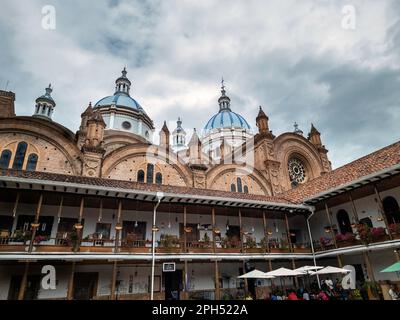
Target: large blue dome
[119,99]
[226,118]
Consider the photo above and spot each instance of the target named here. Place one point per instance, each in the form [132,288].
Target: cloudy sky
[301,60]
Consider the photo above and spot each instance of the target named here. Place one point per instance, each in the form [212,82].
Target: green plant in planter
[250,242]
[73,239]
[364,233]
[206,238]
[169,241]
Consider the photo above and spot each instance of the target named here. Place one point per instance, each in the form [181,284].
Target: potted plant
[73,240]
[38,239]
[378,234]
[364,232]
[169,242]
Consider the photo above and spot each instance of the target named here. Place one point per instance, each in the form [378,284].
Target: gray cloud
[291,57]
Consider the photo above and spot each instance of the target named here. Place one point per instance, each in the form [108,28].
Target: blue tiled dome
[119,99]
[226,119]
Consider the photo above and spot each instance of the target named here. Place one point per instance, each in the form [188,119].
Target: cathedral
[110,209]
[115,141]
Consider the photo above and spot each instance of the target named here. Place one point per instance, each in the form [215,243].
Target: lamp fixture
[155,229]
[78,226]
[217,231]
[136,224]
[188,229]
[35,224]
[118,226]
[269,232]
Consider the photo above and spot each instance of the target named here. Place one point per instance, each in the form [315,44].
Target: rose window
[297,172]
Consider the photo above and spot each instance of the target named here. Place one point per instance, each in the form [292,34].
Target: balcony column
[328,214]
[216,275]
[296,283]
[79,226]
[216,269]
[213,229]
[113,280]
[184,230]
[118,226]
[370,270]
[16,205]
[71,282]
[242,249]
[35,224]
[353,206]
[382,211]
[185,263]
[22,288]
[267,249]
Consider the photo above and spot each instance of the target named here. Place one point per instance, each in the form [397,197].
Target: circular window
[297,172]
[126,125]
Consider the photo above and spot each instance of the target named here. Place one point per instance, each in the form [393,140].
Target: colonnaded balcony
[37,221]
[367,216]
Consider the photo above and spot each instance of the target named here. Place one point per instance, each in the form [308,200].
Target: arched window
[20,156]
[246,189]
[32,162]
[150,173]
[5,159]
[140,176]
[233,188]
[392,210]
[158,178]
[344,221]
[239,185]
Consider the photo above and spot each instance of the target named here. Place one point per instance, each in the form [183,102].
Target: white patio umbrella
[330,270]
[308,269]
[255,274]
[283,272]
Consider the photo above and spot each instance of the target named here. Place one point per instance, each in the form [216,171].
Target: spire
[314,136]
[297,130]
[165,128]
[179,136]
[97,117]
[224,101]
[262,122]
[88,111]
[122,84]
[45,104]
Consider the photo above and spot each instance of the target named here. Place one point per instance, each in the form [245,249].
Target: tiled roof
[362,167]
[130,185]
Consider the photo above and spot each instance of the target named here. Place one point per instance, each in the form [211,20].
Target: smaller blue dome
[119,99]
[227,119]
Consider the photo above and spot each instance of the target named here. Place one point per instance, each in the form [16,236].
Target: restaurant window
[5,159]
[20,155]
[344,222]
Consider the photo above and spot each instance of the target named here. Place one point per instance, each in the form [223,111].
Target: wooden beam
[213,228]
[370,270]
[328,214]
[36,222]
[353,206]
[382,211]
[184,229]
[288,233]
[24,281]
[117,230]
[246,285]
[217,288]
[70,292]
[113,280]
[267,249]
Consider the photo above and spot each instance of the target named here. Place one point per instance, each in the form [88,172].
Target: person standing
[392,292]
